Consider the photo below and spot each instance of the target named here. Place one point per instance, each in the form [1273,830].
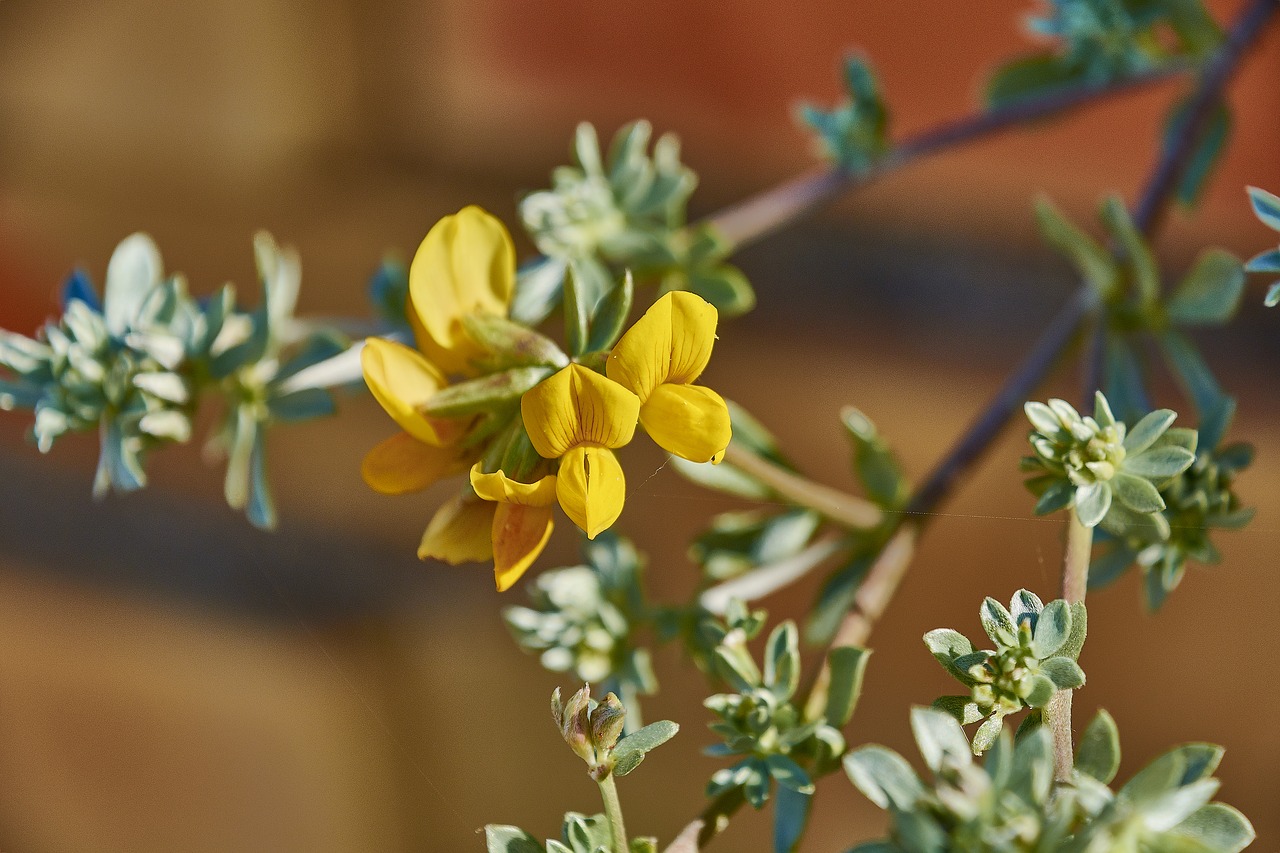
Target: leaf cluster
[854,134]
[1267,208]
[1036,646]
[578,834]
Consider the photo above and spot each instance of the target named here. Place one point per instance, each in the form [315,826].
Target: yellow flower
[466,265]
[578,417]
[658,359]
[522,521]
[460,531]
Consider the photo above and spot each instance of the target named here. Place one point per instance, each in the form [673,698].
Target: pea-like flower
[522,521]
[658,360]
[580,417]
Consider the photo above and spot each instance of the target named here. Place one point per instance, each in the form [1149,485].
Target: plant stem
[767,212]
[769,578]
[613,813]
[1075,581]
[842,508]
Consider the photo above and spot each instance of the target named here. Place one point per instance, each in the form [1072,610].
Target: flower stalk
[842,508]
[1075,580]
[613,813]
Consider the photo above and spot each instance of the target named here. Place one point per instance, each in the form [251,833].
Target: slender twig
[613,814]
[764,213]
[842,508]
[1075,582]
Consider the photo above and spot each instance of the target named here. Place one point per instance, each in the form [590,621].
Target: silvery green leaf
[1146,431]
[1032,774]
[644,845]
[1210,293]
[1051,629]
[1025,604]
[631,750]
[244,431]
[586,148]
[1160,463]
[884,777]
[488,393]
[539,285]
[1141,261]
[1184,437]
[1264,262]
[1102,410]
[1065,673]
[304,405]
[166,423]
[997,622]
[964,709]
[1124,379]
[165,348]
[1273,295]
[1108,568]
[23,355]
[167,386]
[586,834]
[1095,264]
[790,815]
[1266,206]
[835,598]
[789,774]
[315,350]
[510,839]
[1092,502]
[782,660]
[261,510]
[1156,779]
[1192,373]
[1042,418]
[1079,630]
[724,286]
[1137,493]
[986,734]
[1098,754]
[1038,690]
[18,395]
[119,465]
[1171,809]
[1218,827]
[723,478]
[554,846]
[281,273]
[134,270]
[848,665]
[941,740]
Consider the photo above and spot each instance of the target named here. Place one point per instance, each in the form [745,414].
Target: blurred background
[171,679]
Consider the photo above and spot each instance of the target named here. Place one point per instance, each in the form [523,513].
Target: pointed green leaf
[998,622]
[1092,502]
[1210,294]
[940,738]
[1065,673]
[1052,629]
[790,815]
[510,839]
[1218,827]
[631,749]
[1137,493]
[1098,755]
[848,665]
[1159,463]
[884,777]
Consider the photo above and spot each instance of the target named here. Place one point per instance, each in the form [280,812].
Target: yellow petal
[459,532]
[591,488]
[402,381]
[465,265]
[691,421]
[403,464]
[519,535]
[670,343]
[502,489]
[576,406]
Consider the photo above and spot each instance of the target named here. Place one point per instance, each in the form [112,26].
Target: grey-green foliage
[1198,501]
[1099,41]
[1267,207]
[624,211]
[594,731]
[762,721]
[853,135]
[1036,647]
[1128,282]
[578,834]
[1099,467]
[1010,804]
[584,618]
[136,364]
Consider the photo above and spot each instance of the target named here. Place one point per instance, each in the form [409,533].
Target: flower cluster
[534,428]
[135,364]
[1096,465]
[1010,804]
[1035,656]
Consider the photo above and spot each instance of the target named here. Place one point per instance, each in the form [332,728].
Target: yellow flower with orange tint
[580,417]
[522,521]
[657,360]
[466,265]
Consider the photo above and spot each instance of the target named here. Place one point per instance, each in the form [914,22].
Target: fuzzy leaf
[1092,502]
[940,738]
[1218,827]
[631,750]
[790,816]
[884,777]
[1210,294]
[1065,673]
[510,839]
[1137,493]
[848,667]
[1098,755]
[998,622]
[1052,629]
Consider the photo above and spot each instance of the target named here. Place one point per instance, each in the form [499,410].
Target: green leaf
[1210,294]
[946,646]
[134,271]
[1092,502]
[789,774]
[1207,151]
[722,478]
[963,708]
[510,839]
[884,777]
[1123,379]
[782,660]
[940,738]
[1094,263]
[1146,431]
[998,622]
[1029,77]
[1032,774]
[1218,827]
[1052,629]
[987,734]
[631,750]
[1057,496]
[1065,673]
[1079,628]
[1192,373]
[1157,778]
[644,845]
[724,286]
[790,815]
[1039,691]
[1098,754]
[513,344]
[1108,568]
[1264,262]
[612,315]
[1159,463]
[486,394]
[848,665]
[302,405]
[1136,492]
[261,510]
[577,308]
[835,599]
[873,462]
[539,289]
[1266,206]
[1138,255]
